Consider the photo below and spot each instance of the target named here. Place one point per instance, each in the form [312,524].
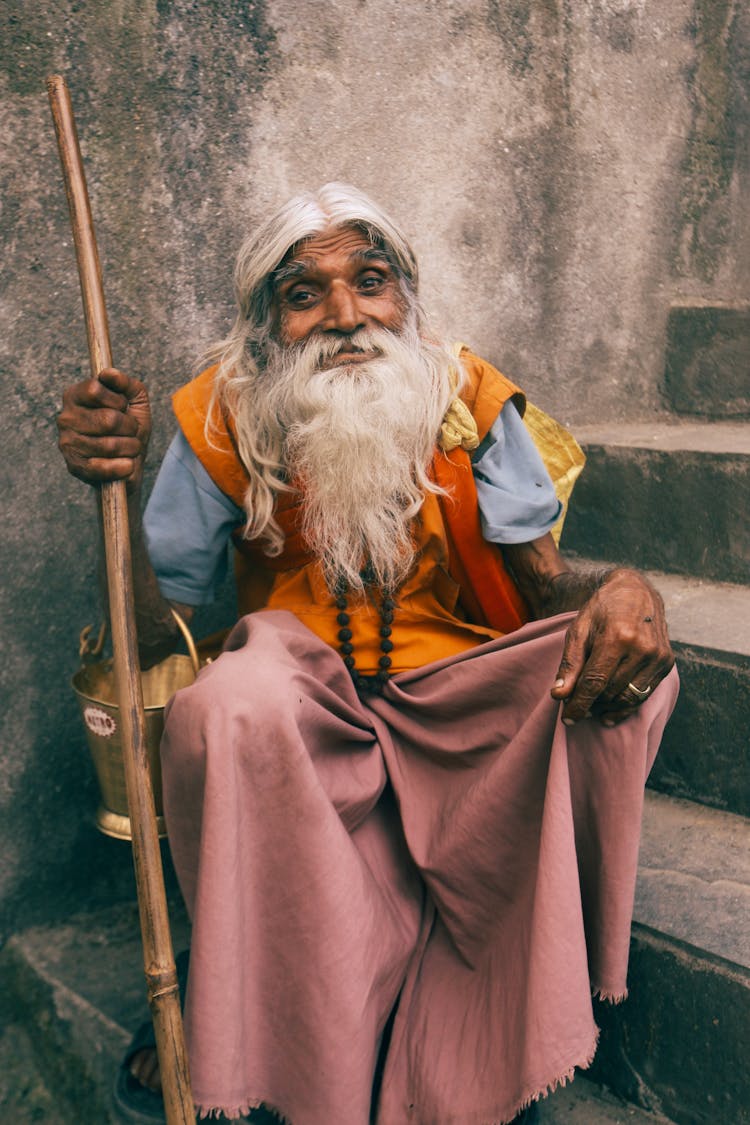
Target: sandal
[134,1101]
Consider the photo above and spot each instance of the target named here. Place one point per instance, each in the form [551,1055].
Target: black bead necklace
[372,685]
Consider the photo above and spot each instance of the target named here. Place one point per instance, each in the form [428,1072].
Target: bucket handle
[188,638]
[88,650]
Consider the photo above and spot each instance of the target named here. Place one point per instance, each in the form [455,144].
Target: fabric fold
[451,845]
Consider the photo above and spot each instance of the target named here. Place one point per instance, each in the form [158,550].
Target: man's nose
[342,312]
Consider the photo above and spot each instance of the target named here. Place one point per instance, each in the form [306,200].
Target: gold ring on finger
[639,693]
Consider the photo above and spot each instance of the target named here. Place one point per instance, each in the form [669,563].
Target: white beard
[359,438]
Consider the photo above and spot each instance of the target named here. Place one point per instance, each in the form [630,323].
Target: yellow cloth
[458,427]
[561,454]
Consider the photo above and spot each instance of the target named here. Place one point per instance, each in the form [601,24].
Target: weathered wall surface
[567,170]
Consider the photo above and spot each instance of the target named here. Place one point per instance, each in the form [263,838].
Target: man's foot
[144,1066]
[137,1092]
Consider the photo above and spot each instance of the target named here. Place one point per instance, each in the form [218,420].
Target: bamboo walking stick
[158,954]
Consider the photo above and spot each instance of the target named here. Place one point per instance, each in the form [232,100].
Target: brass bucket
[96,690]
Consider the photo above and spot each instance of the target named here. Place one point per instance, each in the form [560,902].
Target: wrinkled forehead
[346,243]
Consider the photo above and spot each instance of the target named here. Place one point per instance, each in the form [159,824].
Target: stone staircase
[672,498]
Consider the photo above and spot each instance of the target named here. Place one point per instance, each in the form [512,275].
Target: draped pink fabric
[451,846]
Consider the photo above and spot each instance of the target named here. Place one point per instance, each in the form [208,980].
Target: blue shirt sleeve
[517,500]
[188,522]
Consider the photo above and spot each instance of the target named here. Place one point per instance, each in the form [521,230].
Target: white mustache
[320,349]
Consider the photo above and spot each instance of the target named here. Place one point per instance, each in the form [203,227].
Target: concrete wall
[567,170]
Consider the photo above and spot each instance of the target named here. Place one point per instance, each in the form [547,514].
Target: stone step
[25,1097]
[707,369]
[77,991]
[669,496]
[584,1102]
[73,994]
[679,1045]
[705,752]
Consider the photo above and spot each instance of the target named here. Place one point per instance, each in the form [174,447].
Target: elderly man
[404,802]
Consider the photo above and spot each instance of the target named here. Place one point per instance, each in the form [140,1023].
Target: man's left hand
[616,651]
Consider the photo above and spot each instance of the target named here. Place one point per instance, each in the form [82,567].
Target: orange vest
[460,593]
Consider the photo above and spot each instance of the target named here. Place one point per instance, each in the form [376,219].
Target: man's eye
[372,282]
[299,298]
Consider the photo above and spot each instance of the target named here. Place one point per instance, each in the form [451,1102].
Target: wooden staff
[158,954]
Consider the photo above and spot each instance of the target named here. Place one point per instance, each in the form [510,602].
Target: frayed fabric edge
[609,997]
[555,1083]
[544,1091]
[222,1113]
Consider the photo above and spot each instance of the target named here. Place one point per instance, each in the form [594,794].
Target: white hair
[242,357]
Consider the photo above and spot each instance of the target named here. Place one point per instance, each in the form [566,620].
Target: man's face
[337,283]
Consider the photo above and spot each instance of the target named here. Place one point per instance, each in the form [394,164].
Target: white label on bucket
[99,722]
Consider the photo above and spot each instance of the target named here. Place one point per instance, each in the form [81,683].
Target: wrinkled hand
[619,638]
[104,427]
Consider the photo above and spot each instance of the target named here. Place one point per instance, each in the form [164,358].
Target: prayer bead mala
[372,685]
